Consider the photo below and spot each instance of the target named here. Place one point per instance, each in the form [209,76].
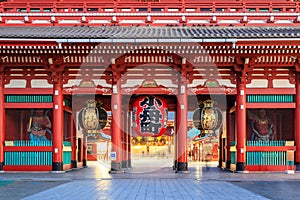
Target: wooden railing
[189,13]
[23,155]
[28,158]
[135,6]
[270,155]
[266,155]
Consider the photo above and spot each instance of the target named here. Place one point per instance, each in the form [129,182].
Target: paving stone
[95,182]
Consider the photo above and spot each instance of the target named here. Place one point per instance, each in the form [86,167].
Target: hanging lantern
[103,116]
[207,118]
[150,116]
[92,117]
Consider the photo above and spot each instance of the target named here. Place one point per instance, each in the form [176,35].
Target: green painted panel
[232,157]
[28,99]
[31,143]
[67,157]
[266,143]
[283,98]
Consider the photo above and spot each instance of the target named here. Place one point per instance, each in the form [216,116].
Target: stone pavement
[95,182]
[146,189]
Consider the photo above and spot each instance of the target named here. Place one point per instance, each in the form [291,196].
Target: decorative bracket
[55,66]
[297,64]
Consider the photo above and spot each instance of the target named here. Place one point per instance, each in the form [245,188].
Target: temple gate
[55,56]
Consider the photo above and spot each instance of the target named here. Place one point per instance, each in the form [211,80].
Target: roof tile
[116,32]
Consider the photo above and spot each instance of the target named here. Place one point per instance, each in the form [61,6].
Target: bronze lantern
[207,118]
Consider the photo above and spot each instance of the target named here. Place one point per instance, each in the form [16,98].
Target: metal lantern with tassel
[207,118]
[92,117]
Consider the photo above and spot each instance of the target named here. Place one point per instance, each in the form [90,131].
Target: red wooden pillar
[129,147]
[124,140]
[58,124]
[116,107]
[73,142]
[84,150]
[297,124]
[229,138]
[80,148]
[240,123]
[175,136]
[182,109]
[221,150]
[129,132]
[2,120]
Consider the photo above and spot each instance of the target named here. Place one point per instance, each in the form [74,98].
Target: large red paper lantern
[150,115]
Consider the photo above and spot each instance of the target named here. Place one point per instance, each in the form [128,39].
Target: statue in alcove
[39,124]
[261,125]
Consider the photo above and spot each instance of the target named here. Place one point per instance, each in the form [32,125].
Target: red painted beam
[183,12]
[28,91]
[27,148]
[271,105]
[270,148]
[274,168]
[271,90]
[28,105]
[27,167]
